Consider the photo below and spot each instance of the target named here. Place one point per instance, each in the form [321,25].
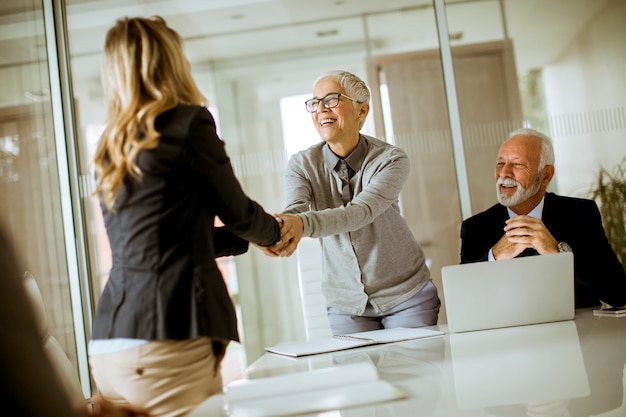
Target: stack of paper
[610,312]
[320,390]
[352,340]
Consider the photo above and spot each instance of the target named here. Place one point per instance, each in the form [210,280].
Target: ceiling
[240,31]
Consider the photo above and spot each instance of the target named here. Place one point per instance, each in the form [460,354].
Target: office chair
[66,372]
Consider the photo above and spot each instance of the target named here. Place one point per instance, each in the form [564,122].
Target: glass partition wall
[37,207]
[563,77]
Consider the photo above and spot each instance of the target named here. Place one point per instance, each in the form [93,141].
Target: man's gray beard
[521,194]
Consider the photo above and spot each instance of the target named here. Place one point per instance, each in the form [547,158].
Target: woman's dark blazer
[598,273]
[164,282]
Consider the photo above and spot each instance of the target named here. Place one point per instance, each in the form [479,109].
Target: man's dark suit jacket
[598,273]
[165,282]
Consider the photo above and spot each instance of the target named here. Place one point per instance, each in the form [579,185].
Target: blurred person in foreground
[165,316]
[29,385]
[344,191]
[530,221]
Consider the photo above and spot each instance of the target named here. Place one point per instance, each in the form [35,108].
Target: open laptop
[510,292]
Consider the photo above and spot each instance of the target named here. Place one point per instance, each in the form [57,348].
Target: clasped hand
[291,229]
[523,232]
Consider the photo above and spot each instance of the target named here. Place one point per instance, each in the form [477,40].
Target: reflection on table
[534,369]
[565,369]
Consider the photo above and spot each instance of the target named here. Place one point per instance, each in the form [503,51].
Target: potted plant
[609,192]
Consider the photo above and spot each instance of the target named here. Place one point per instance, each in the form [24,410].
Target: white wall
[585,92]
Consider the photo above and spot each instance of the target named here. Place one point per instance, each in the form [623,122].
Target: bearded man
[530,221]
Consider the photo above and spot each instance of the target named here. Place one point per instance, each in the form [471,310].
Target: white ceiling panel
[219,30]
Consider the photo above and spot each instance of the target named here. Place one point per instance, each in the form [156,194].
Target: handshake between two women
[291,229]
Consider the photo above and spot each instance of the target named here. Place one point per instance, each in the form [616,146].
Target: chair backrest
[68,377]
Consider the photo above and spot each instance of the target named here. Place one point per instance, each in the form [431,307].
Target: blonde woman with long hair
[165,317]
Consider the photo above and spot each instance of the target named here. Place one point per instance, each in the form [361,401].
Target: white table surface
[572,368]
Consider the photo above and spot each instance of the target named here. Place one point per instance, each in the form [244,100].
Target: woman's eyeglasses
[329,101]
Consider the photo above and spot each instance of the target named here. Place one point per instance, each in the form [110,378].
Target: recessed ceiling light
[325,33]
[456,36]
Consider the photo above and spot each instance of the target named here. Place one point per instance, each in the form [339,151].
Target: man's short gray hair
[547,150]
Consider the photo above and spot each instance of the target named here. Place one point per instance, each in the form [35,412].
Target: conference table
[566,369]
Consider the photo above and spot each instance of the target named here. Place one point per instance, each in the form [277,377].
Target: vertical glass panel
[30,204]
[564,77]
[573,69]
[410,110]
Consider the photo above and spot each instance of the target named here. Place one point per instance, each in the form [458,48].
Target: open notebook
[352,340]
